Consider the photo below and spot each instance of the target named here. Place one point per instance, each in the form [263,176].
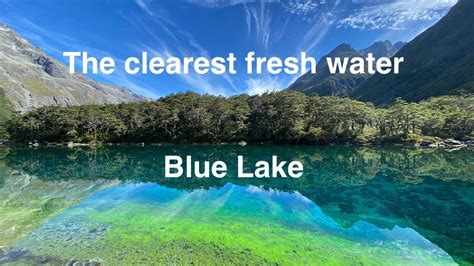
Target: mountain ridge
[439,61]
[29,79]
[327,84]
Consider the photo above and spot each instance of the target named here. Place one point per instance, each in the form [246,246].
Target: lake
[112,205]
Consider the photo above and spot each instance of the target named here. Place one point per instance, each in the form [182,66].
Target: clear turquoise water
[371,206]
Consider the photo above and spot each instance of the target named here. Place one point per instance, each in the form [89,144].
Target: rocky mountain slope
[440,61]
[30,79]
[324,83]
[5,108]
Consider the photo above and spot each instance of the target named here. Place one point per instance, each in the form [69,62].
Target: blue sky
[213,28]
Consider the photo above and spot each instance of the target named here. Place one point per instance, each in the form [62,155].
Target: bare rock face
[50,67]
[30,79]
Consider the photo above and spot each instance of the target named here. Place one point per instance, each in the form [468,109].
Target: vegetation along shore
[284,117]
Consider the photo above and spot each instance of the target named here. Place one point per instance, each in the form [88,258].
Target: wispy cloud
[258,18]
[317,32]
[179,44]
[143,4]
[122,79]
[49,40]
[302,7]
[323,15]
[396,15]
[222,3]
[263,84]
[322,20]
[55,44]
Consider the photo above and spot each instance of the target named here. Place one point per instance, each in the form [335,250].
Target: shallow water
[368,206]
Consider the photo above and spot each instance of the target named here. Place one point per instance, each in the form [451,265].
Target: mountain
[5,108]
[325,83]
[383,49]
[29,79]
[440,61]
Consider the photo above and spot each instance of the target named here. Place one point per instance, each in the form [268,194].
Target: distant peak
[386,42]
[4,26]
[342,48]
[377,44]
[383,48]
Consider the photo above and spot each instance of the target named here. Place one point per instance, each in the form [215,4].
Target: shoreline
[443,144]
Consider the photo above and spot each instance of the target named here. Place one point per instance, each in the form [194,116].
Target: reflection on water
[352,205]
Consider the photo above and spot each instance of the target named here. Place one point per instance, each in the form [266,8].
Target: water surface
[112,205]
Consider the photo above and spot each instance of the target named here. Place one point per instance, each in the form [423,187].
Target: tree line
[277,117]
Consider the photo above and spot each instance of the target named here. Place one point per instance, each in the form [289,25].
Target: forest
[283,117]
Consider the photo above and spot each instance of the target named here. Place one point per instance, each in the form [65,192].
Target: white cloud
[262,85]
[315,33]
[143,4]
[225,3]
[265,29]
[396,15]
[258,17]
[301,7]
[204,84]
[121,79]
[321,22]
[181,44]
